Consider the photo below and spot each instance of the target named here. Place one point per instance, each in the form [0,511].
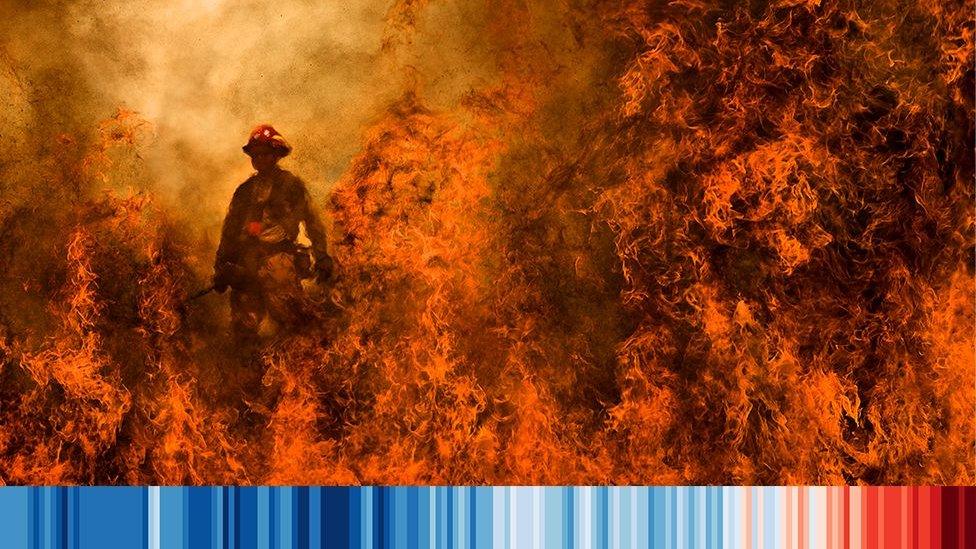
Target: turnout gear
[258,257]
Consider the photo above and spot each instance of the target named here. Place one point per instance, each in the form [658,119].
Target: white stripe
[537,524]
[817,514]
[775,497]
[586,518]
[760,519]
[634,519]
[497,518]
[512,524]
[154,517]
[432,520]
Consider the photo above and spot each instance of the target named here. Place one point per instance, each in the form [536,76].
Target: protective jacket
[264,218]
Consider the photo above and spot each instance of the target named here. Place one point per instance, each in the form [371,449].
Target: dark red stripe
[968,516]
[950,517]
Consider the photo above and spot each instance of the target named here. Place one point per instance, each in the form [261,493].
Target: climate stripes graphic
[486,517]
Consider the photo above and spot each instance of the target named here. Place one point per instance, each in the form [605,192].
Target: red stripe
[925,512]
[904,520]
[912,518]
[935,502]
[892,519]
[882,503]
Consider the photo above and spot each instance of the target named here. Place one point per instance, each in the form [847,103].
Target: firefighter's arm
[315,230]
[227,250]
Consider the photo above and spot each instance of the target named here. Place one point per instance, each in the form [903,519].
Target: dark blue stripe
[37,519]
[378,517]
[449,513]
[236,502]
[63,507]
[389,527]
[199,531]
[247,504]
[336,518]
[272,519]
[302,518]
[472,518]
[145,517]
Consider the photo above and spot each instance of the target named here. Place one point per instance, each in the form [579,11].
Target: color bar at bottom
[486,517]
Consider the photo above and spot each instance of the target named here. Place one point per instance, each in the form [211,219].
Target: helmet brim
[252,148]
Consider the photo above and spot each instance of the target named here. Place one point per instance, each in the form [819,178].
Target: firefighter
[258,257]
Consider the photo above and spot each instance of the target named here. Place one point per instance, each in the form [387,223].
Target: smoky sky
[202,73]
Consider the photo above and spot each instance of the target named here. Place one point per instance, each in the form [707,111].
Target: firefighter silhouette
[259,257]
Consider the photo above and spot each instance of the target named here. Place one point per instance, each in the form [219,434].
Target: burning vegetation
[688,242]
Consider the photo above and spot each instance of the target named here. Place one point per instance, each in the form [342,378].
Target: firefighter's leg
[283,290]
[247,310]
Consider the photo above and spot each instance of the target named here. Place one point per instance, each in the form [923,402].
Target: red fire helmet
[265,136]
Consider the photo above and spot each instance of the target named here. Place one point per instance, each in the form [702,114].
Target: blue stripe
[413,518]
[76,514]
[225,497]
[314,518]
[261,518]
[15,515]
